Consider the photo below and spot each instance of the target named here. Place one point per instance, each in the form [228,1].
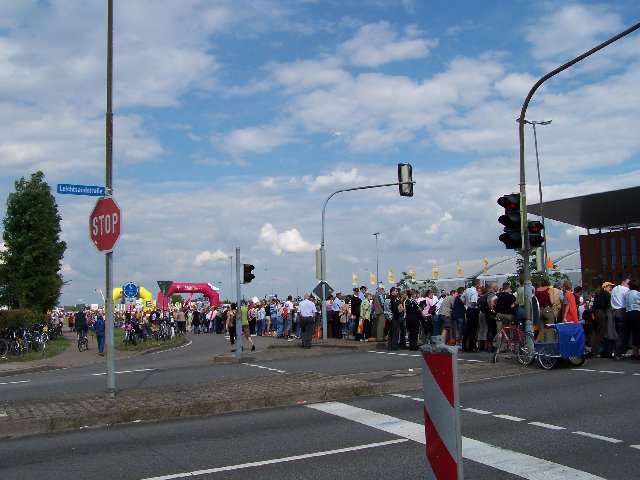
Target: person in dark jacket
[413,315]
[99,329]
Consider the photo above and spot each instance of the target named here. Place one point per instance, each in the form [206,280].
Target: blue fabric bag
[571,339]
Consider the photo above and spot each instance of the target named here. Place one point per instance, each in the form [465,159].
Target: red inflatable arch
[181,287]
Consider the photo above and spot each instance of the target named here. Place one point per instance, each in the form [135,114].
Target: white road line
[509,417]
[264,368]
[612,371]
[635,446]
[475,410]
[399,395]
[277,460]
[598,437]
[525,466]
[126,371]
[174,348]
[3,414]
[583,370]
[13,383]
[547,425]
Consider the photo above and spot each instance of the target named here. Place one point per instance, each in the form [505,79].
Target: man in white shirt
[470,300]
[618,312]
[307,312]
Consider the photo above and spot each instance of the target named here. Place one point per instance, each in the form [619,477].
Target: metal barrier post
[442,411]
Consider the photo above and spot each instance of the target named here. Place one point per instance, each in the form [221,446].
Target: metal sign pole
[109,334]
[239,343]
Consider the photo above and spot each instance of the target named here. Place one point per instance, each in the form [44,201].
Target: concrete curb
[37,417]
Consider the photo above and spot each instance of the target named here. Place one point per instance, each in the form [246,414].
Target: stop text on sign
[104,224]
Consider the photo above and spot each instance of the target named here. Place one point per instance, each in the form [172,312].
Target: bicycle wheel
[546,357]
[498,347]
[576,361]
[85,343]
[526,350]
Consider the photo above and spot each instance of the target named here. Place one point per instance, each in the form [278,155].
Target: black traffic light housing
[536,233]
[512,236]
[405,179]
[247,276]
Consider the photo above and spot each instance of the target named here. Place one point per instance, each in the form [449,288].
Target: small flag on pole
[550,265]
[435,272]
[412,275]
[355,279]
[459,270]
[372,278]
[392,277]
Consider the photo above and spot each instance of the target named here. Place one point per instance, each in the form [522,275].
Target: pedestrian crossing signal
[247,275]
[536,233]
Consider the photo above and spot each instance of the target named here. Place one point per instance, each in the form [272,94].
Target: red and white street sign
[104,224]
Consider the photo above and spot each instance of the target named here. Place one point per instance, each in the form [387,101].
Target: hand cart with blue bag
[561,340]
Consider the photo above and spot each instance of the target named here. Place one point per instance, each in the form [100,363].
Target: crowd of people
[469,318]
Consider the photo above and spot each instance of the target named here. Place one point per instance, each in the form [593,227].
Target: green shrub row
[21,318]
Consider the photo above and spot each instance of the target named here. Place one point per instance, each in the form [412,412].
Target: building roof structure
[594,211]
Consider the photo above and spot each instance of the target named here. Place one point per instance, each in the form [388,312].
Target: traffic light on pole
[247,276]
[405,179]
[536,235]
[512,236]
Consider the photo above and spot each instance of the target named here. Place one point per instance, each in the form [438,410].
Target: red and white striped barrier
[442,412]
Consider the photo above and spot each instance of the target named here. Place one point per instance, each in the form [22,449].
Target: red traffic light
[511,203]
[536,237]
[535,226]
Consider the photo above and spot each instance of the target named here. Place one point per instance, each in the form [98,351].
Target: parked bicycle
[512,339]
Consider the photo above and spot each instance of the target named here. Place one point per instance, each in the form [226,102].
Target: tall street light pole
[231,277]
[528,293]
[377,266]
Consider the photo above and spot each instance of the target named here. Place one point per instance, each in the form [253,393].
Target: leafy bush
[20,318]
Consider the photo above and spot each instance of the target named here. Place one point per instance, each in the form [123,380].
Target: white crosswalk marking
[525,466]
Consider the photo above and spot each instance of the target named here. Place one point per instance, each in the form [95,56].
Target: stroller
[562,340]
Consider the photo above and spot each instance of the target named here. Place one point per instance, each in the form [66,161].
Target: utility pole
[521,122]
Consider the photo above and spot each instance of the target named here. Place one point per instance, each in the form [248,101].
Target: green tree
[30,262]
[406,282]
[536,276]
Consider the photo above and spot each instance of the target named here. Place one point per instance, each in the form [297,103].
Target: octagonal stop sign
[104,224]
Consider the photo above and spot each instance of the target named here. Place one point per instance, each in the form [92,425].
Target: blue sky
[235,120]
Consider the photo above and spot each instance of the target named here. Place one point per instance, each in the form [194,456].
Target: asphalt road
[581,422]
[316,442]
